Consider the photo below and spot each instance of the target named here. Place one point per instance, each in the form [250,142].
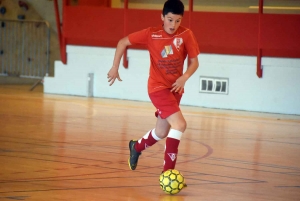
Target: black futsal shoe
[134,155]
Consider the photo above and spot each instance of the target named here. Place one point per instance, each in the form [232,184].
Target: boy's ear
[162,17]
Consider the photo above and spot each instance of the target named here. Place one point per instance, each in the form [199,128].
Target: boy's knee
[162,133]
[181,126]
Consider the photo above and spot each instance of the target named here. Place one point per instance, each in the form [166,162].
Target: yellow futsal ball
[171,181]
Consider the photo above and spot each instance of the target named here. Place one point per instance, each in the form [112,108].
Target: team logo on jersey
[172,156]
[177,42]
[166,51]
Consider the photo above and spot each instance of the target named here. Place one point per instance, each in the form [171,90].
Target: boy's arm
[180,82]
[113,73]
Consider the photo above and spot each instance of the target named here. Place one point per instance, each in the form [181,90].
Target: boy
[168,45]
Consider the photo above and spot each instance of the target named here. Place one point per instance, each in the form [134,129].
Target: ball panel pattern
[171,181]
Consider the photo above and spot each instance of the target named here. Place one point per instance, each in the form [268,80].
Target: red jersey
[167,54]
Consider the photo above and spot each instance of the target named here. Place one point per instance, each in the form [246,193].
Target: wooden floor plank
[55,147]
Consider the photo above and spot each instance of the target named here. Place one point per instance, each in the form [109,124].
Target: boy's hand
[112,75]
[179,84]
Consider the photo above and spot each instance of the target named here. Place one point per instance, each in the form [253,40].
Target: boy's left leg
[178,126]
[167,105]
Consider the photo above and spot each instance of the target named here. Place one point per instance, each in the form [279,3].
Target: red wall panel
[141,19]
[93,26]
[226,33]
[280,35]
[219,33]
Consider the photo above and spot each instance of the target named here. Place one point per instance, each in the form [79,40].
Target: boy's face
[171,22]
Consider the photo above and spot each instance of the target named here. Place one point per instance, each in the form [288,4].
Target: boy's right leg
[134,155]
[136,147]
[150,138]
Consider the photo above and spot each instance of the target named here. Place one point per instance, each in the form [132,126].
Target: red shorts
[166,102]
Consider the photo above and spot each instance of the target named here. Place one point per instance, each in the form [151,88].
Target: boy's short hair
[173,6]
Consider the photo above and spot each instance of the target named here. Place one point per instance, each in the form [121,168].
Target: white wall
[277,92]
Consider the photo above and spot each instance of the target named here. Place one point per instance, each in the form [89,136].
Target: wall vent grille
[214,85]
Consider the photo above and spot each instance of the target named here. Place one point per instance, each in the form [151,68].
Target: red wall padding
[226,33]
[93,26]
[281,35]
[220,33]
[141,19]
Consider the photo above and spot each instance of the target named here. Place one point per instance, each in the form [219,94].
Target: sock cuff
[154,135]
[146,136]
[175,134]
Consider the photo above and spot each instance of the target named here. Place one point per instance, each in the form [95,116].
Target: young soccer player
[169,45]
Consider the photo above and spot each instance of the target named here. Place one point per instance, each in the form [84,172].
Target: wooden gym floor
[56,147]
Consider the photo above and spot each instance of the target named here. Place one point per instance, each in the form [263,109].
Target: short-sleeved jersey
[167,54]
